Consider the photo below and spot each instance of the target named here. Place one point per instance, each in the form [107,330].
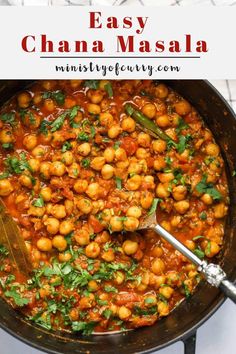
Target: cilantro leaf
[118,182]
[154,205]
[8,118]
[58,122]
[83,136]
[18,299]
[108,88]
[181,126]
[92,84]
[86,328]
[183,143]
[39,202]
[66,146]
[204,187]
[17,165]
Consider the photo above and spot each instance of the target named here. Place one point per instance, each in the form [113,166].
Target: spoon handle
[213,273]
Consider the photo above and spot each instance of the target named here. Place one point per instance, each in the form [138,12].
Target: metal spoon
[213,273]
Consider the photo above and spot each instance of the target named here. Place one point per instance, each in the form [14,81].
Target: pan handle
[190,344]
[229,289]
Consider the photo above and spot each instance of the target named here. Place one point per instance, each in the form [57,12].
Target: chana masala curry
[80,169]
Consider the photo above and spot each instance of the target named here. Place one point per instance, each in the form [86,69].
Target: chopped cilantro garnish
[183,143]
[16,296]
[204,187]
[83,136]
[92,84]
[108,88]
[203,215]
[8,118]
[17,165]
[181,126]
[86,328]
[39,202]
[154,205]
[85,163]
[58,122]
[110,289]
[66,146]
[118,182]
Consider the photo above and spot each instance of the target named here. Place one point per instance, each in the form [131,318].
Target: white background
[213,24]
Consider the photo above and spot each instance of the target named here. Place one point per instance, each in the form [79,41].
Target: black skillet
[183,322]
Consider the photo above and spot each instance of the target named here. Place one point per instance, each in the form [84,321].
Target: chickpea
[207,199]
[106,215]
[93,190]
[30,141]
[212,250]
[166,177]
[159,163]
[80,185]
[146,199]
[45,169]
[44,244]
[134,183]
[95,96]
[106,119]
[114,309]
[66,227]
[131,223]
[23,99]
[34,165]
[84,205]
[119,277]
[92,250]
[162,191]
[38,151]
[163,308]
[120,154]
[161,91]
[97,163]
[166,225]
[116,224]
[124,313]
[107,171]
[128,125]
[130,247]
[67,158]
[159,145]
[93,108]
[144,140]
[179,192]
[212,149]
[46,194]
[158,280]
[220,210]
[69,205]
[158,266]
[109,154]
[84,149]
[163,121]
[190,244]
[182,107]
[52,225]
[26,181]
[57,168]
[82,237]
[5,187]
[49,105]
[108,256]
[157,252]
[141,153]
[75,83]
[64,257]
[59,242]
[166,291]
[176,220]
[134,211]
[150,300]
[182,206]
[36,211]
[6,136]
[149,110]
[86,302]
[93,285]
[114,131]
[58,211]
